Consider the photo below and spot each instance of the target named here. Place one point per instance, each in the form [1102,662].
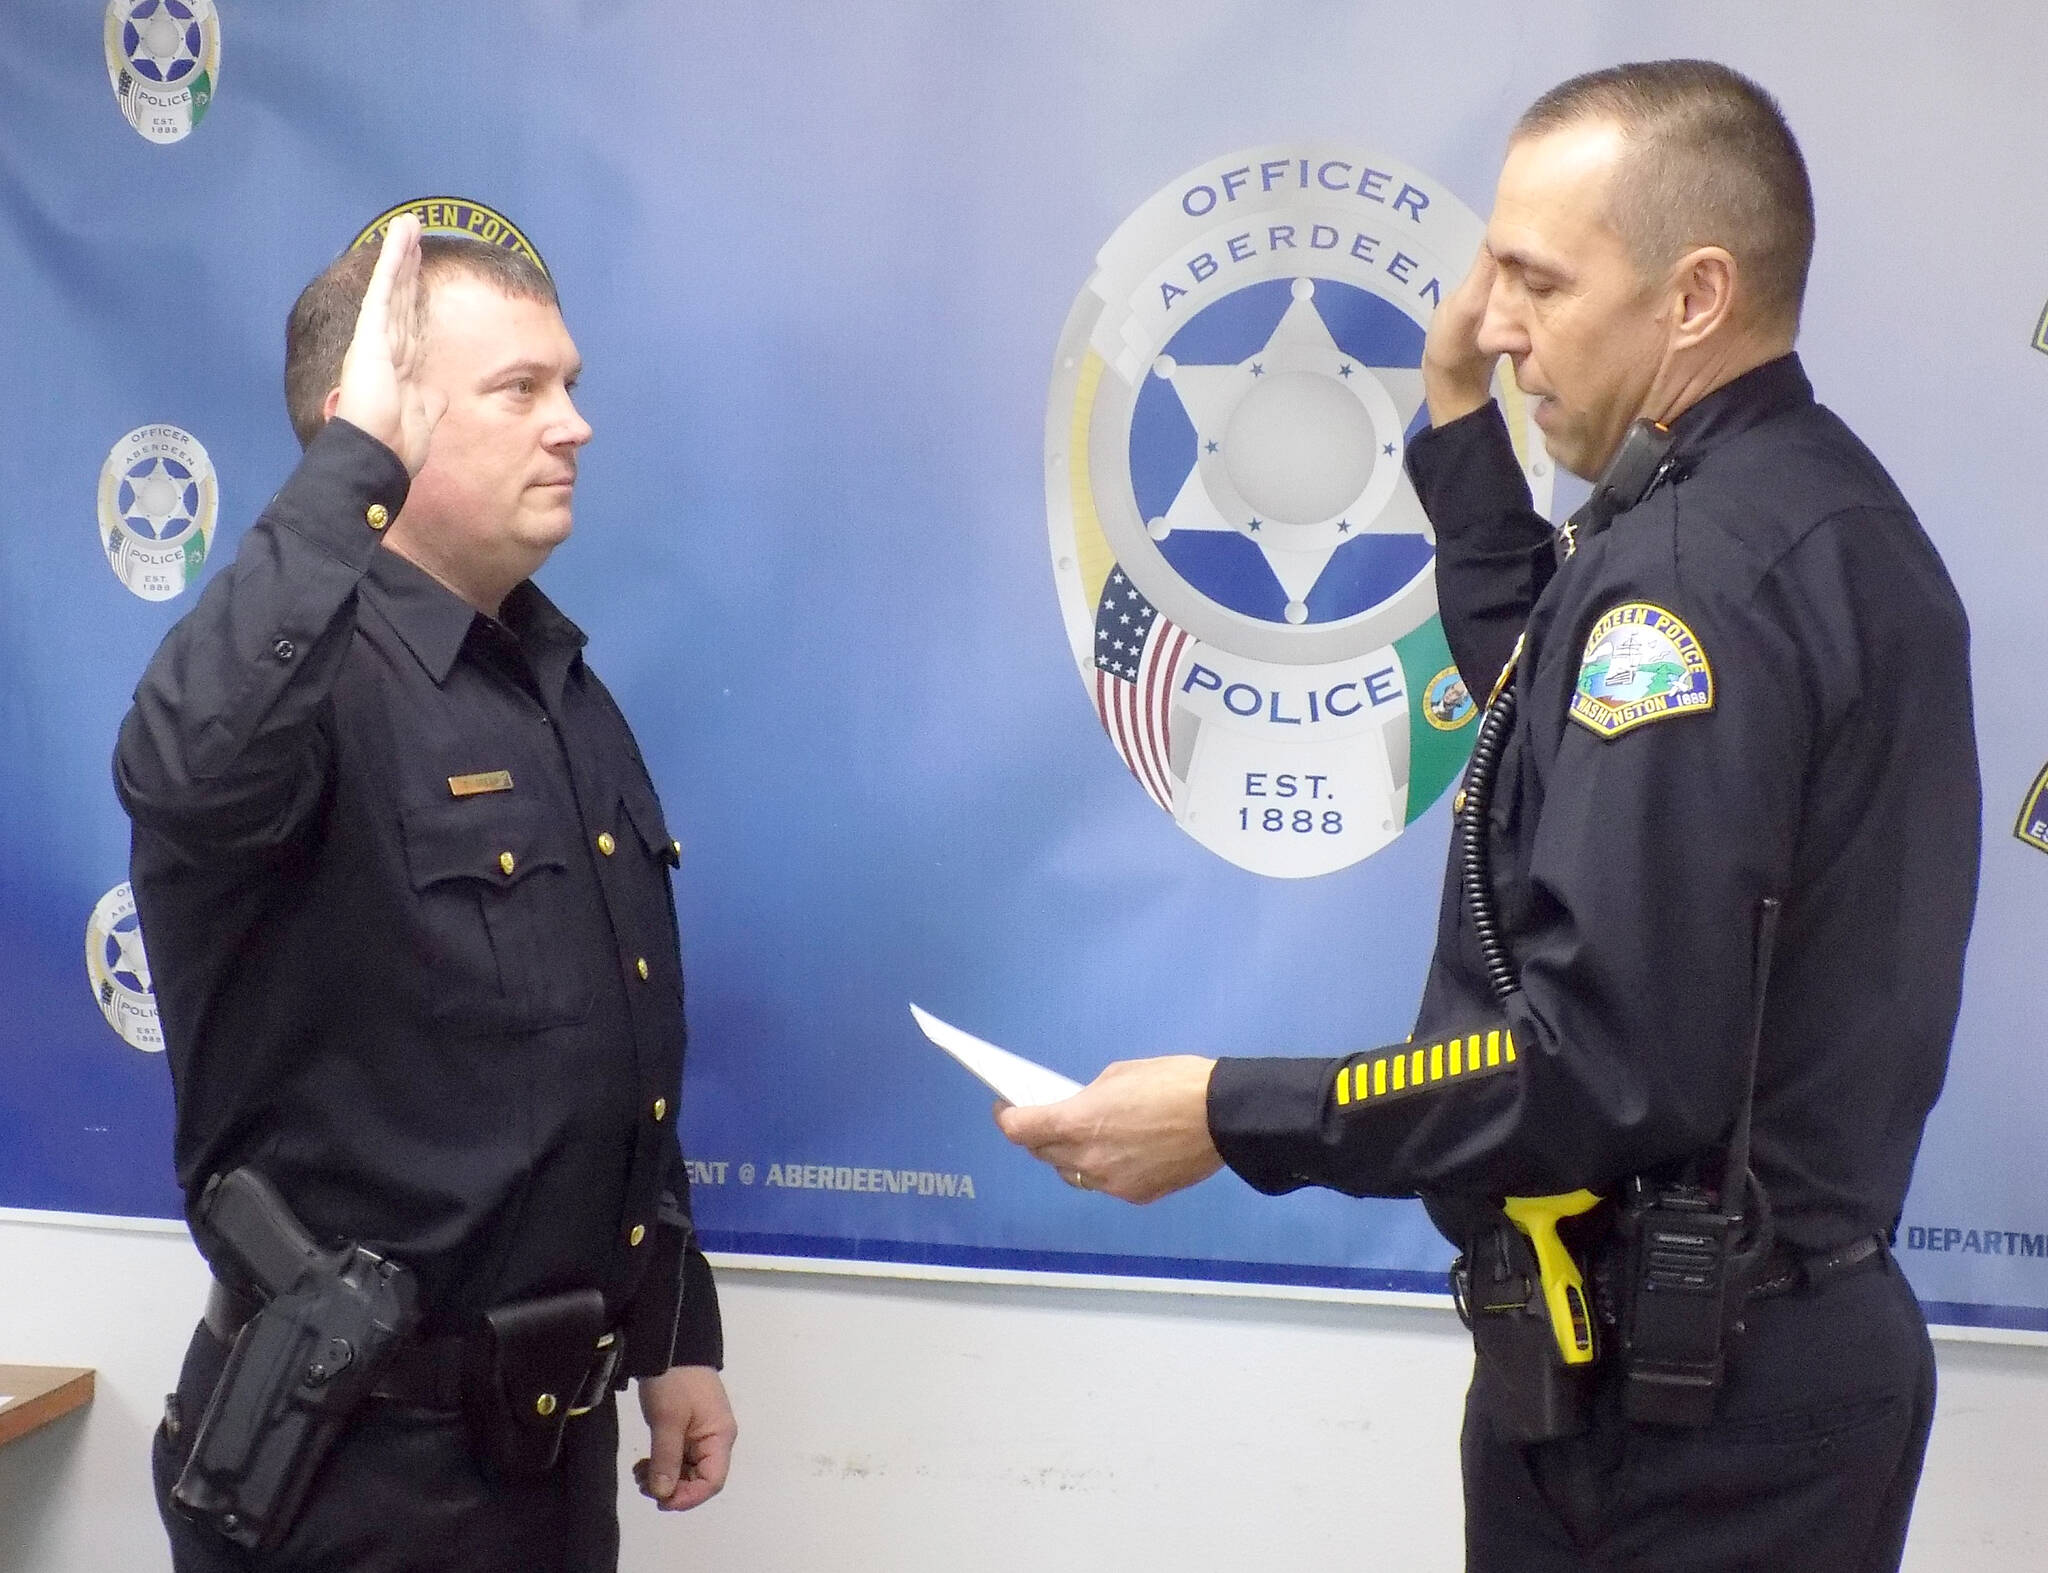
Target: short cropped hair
[323,320]
[1710,162]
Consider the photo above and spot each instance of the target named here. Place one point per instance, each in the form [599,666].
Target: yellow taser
[1564,1287]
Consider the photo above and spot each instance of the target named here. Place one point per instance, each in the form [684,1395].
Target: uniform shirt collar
[551,643]
[430,618]
[1758,395]
[435,623]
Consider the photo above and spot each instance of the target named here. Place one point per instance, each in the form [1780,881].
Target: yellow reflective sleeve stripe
[1411,1068]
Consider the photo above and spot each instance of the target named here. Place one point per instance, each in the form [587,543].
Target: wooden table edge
[74,1391]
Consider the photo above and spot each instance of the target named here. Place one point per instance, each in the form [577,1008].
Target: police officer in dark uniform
[1702,935]
[407,889]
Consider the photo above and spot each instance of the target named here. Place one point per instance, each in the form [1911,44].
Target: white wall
[893,1427]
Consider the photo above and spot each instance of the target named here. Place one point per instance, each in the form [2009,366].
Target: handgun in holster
[298,1369]
[1519,1287]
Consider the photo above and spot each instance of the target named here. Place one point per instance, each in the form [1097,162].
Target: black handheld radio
[1689,1253]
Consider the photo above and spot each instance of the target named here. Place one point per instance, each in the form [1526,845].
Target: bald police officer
[1750,686]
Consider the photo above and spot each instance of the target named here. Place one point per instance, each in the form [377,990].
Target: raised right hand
[381,390]
[1457,377]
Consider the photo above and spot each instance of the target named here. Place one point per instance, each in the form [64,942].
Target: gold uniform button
[507,862]
[605,844]
[640,967]
[675,850]
[377,516]
[639,1233]
[660,1109]
[544,1405]
[1458,802]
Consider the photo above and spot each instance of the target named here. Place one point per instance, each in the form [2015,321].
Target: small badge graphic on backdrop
[163,58]
[2033,821]
[1245,571]
[453,216]
[157,505]
[118,969]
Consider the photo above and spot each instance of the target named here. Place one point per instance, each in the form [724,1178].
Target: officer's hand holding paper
[1139,1131]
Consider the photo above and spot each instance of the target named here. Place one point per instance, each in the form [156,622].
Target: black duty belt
[422,1373]
[1786,1270]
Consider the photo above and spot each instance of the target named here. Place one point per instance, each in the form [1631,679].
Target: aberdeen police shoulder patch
[1641,664]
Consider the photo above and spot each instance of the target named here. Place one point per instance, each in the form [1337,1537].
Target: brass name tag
[482,781]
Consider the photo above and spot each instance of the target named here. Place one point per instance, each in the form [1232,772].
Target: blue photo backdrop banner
[994,530]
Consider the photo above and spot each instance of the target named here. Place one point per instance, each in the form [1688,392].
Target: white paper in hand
[1013,1078]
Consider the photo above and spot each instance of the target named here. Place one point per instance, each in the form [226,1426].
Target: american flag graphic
[1137,653]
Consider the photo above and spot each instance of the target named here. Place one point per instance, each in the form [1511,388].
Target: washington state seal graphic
[1244,569]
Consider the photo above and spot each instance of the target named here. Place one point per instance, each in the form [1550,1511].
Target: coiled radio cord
[1473,810]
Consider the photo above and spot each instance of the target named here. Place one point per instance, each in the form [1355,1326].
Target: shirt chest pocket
[490,882]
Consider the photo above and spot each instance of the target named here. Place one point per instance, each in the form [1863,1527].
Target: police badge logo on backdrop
[158,501]
[163,59]
[1244,569]
[117,967]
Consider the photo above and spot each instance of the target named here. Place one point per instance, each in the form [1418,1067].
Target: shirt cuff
[700,1330]
[1265,1117]
[1465,471]
[673,1320]
[345,492]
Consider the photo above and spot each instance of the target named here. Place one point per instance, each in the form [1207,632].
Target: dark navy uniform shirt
[405,886]
[1755,683]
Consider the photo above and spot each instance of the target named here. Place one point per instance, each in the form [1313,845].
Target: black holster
[1519,1382]
[529,1368]
[298,1369]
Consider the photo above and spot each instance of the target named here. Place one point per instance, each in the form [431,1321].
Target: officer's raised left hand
[690,1436]
[1139,1131]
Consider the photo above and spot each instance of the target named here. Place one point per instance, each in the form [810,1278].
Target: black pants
[1810,1467]
[402,1493]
